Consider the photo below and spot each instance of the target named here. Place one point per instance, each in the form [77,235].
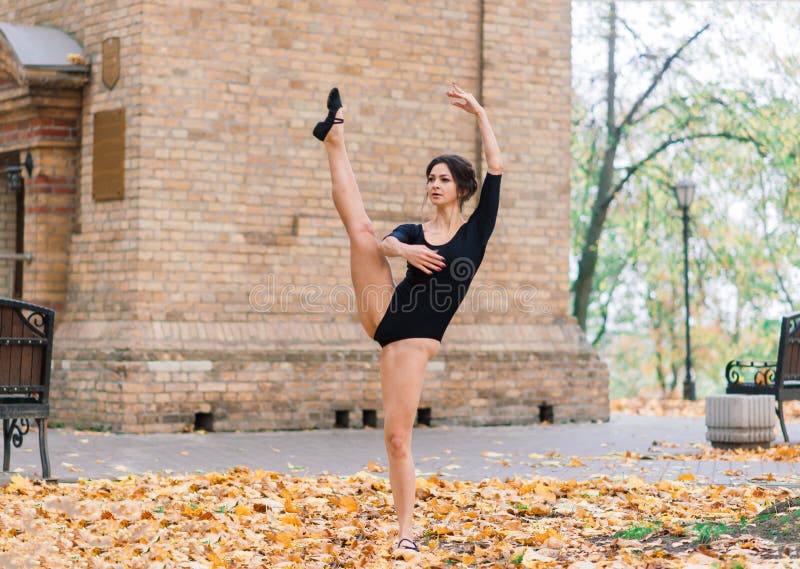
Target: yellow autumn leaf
[215,560]
[540,509]
[285,538]
[544,491]
[291,519]
[348,503]
[242,510]
[686,477]
[19,484]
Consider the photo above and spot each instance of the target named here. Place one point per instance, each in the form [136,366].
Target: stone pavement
[575,450]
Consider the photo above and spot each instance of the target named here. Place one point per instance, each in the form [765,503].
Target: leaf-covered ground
[257,519]
[676,407]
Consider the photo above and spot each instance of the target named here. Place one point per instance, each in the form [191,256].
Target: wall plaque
[111,62]
[108,155]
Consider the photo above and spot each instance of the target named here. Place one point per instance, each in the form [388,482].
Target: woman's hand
[467,101]
[425,259]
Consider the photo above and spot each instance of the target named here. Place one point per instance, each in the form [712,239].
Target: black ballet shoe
[334,104]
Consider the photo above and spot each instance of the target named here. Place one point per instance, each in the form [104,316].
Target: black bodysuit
[423,305]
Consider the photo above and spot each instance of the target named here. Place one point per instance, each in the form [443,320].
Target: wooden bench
[26,350]
[780,378]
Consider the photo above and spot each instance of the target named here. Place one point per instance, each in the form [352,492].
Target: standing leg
[369,269]
[402,372]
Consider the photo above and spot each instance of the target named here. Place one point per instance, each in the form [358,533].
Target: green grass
[639,531]
[709,531]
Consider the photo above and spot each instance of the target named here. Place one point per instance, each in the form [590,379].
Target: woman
[409,320]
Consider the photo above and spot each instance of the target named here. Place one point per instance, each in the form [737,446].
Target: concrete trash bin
[740,421]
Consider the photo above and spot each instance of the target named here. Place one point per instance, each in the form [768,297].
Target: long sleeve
[485,214]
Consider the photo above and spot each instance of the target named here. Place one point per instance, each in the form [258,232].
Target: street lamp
[14,179]
[684,192]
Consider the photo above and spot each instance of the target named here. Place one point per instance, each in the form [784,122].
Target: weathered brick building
[179,217]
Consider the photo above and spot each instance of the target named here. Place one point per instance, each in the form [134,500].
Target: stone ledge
[291,334]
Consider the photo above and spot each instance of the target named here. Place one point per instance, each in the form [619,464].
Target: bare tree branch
[657,79]
[631,170]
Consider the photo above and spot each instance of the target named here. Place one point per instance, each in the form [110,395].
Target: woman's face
[442,189]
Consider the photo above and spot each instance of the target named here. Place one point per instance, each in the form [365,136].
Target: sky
[742,35]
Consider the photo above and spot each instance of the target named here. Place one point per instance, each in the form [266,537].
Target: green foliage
[639,531]
[706,532]
[737,140]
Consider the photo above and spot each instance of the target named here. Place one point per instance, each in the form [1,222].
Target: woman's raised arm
[491,149]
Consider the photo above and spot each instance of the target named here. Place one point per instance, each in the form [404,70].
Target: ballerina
[442,254]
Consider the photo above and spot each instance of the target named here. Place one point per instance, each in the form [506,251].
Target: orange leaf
[545,492]
[285,538]
[686,477]
[291,519]
[242,510]
[215,560]
[348,503]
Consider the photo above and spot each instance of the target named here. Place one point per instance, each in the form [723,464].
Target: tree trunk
[591,241]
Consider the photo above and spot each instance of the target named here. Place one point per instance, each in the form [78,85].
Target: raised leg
[369,269]
[42,426]
[402,372]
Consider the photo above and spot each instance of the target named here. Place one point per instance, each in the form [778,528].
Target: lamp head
[684,193]
[14,178]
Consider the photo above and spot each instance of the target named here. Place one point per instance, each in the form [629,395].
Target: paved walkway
[580,451]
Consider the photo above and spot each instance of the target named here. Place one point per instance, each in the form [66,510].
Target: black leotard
[423,305]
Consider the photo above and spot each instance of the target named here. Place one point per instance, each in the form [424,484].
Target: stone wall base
[145,377]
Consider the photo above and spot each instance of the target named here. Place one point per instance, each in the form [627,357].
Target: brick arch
[12,72]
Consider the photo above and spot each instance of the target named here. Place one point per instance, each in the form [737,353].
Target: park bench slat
[6,315]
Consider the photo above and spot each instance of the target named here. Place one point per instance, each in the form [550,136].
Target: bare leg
[402,372]
[369,269]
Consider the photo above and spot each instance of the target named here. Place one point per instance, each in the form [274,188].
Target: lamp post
[684,192]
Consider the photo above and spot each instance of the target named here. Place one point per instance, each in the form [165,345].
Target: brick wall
[221,282]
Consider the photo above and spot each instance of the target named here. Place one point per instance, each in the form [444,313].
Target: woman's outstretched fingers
[466,101]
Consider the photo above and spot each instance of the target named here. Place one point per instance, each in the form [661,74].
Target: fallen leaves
[675,406]
[373,466]
[782,452]
[257,519]
[19,485]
